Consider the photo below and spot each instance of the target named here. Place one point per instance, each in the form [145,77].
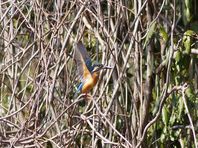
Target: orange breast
[90,82]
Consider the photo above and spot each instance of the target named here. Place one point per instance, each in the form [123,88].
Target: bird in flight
[88,72]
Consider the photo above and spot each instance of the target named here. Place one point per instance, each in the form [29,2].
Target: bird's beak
[107,67]
[101,68]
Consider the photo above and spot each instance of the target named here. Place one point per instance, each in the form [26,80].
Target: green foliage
[187,11]
[162,33]
[165,116]
[187,41]
[150,33]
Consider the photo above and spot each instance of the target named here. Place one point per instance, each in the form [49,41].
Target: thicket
[148,99]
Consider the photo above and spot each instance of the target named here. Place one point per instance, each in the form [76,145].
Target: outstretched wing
[83,61]
[81,48]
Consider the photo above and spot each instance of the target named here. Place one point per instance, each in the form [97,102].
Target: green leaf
[189,33]
[162,137]
[165,116]
[178,56]
[189,92]
[187,14]
[163,34]
[187,41]
[150,33]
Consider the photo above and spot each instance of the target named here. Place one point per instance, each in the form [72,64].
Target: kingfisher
[88,72]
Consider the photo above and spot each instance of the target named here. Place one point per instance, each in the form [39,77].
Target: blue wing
[81,56]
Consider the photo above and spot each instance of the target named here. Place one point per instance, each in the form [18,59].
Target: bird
[88,72]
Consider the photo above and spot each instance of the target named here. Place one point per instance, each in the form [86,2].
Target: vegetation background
[148,99]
